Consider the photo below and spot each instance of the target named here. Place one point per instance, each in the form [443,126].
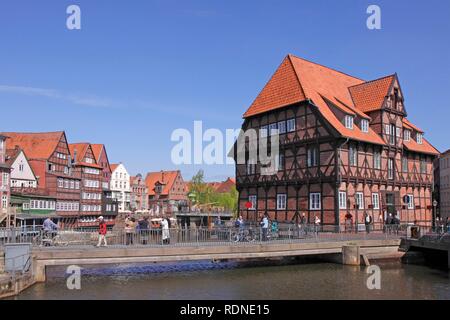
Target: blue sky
[137,70]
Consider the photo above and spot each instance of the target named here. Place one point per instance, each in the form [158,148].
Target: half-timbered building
[49,157]
[346,147]
[85,165]
[4,182]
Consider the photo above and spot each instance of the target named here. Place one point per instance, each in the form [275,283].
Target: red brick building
[49,156]
[139,194]
[166,189]
[110,207]
[85,165]
[346,146]
[4,182]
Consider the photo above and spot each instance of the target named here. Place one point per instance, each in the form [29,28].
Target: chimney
[162,176]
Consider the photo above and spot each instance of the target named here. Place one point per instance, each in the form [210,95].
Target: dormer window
[365,125]
[349,122]
[407,135]
[419,138]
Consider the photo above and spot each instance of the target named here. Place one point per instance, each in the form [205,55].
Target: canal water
[206,280]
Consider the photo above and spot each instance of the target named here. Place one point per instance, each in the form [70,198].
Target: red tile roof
[36,145]
[297,80]
[369,96]
[81,149]
[425,147]
[167,178]
[113,166]
[97,150]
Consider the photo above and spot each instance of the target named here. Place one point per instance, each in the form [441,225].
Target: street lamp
[435,203]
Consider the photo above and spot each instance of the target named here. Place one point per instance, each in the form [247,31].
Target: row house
[120,187]
[50,159]
[85,165]
[442,184]
[110,206]
[167,192]
[346,147]
[29,204]
[4,183]
[139,194]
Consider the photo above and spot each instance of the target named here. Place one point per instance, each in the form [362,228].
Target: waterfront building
[29,204]
[167,192]
[110,206]
[443,184]
[139,194]
[223,186]
[50,159]
[4,183]
[346,146]
[120,187]
[85,165]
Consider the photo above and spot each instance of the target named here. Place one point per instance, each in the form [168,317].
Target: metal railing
[289,233]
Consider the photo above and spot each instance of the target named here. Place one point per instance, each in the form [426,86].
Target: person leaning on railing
[50,228]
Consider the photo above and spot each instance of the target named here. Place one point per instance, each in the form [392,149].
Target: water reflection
[231,280]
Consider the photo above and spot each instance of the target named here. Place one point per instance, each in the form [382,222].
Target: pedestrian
[143,230]
[165,231]
[388,224]
[102,230]
[348,222]
[264,226]
[130,225]
[367,221]
[316,225]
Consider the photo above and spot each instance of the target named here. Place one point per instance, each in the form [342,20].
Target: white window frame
[281,127]
[360,200]
[376,201]
[348,122]
[377,160]
[290,125]
[342,200]
[281,201]
[365,125]
[410,201]
[273,129]
[407,135]
[419,138]
[391,173]
[253,199]
[353,156]
[312,156]
[315,201]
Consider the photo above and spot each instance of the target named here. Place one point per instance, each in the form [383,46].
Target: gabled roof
[370,96]
[12,154]
[36,145]
[97,150]
[166,178]
[80,148]
[298,80]
[114,166]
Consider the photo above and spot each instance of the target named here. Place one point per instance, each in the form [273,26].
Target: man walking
[102,230]
[264,226]
[367,222]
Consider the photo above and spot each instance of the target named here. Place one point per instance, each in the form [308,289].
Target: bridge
[78,248]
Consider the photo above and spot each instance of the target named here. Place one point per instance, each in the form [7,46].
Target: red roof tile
[409,125]
[97,150]
[425,147]
[81,149]
[36,145]
[113,166]
[369,96]
[167,178]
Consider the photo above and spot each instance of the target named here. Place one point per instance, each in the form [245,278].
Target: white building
[120,186]
[22,175]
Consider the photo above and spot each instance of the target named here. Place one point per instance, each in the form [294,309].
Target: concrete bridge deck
[43,257]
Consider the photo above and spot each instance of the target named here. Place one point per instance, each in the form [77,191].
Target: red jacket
[102,229]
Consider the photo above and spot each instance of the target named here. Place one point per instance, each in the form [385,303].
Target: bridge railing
[190,236]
